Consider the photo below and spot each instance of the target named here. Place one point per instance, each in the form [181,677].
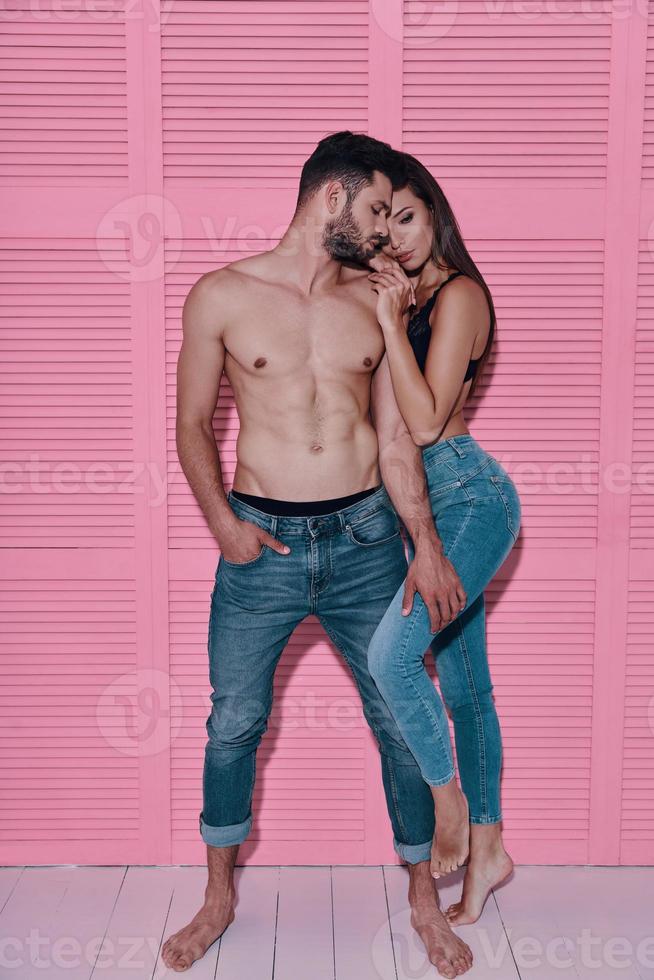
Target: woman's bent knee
[380,659]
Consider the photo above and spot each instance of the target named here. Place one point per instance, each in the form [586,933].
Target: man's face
[360,229]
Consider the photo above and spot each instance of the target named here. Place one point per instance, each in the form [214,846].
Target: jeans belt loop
[455,446]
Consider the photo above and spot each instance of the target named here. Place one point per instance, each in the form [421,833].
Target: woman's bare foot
[451,841]
[449,954]
[191,943]
[489,865]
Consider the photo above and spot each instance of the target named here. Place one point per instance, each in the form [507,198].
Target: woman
[435,359]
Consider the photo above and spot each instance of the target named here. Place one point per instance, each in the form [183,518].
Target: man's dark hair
[351,158]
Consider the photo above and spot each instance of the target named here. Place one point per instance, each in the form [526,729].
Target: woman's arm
[400,463]
[426,401]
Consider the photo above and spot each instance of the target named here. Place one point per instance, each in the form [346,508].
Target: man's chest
[327,335]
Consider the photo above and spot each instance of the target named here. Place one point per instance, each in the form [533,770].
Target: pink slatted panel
[518,97]
[249,88]
[534,124]
[523,102]
[69,657]
[541,639]
[538,404]
[83,747]
[67,398]
[642,489]
[637,826]
[64,106]
[544,701]
[637,816]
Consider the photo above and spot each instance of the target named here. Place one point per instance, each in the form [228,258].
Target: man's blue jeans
[344,568]
[477,513]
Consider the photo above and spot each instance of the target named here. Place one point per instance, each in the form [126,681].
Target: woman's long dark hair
[448,248]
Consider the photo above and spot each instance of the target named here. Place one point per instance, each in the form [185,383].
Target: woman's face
[410,229]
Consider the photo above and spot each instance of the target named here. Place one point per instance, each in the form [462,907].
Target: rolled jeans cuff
[413,853]
[234,833]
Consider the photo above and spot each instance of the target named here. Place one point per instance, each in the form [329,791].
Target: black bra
[419,331]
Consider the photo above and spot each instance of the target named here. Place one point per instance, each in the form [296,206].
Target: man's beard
[343,241]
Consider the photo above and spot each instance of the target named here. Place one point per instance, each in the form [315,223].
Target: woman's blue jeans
[477,513]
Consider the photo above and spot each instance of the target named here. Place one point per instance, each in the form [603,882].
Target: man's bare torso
[300,368]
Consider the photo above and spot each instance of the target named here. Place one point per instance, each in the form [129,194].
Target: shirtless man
[309,527]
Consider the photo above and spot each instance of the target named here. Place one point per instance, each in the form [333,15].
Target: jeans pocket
[509,496]
[377,528]
[244,564]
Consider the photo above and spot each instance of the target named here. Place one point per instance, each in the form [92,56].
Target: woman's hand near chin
[395,293]
[381,261]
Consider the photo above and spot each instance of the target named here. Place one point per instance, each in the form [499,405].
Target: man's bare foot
[451,841]
[449,954]
[191,943]
[183,948]
[489,865]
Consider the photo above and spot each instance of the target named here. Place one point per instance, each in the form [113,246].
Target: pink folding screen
[144,146]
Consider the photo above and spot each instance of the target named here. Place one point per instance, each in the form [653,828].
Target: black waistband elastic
[302,508]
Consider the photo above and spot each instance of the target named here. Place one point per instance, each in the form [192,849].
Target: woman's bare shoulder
[462,297]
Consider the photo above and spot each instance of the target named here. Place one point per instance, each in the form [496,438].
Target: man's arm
[199,370]
[400,462]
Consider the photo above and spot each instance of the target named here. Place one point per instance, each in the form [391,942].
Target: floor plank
[138,926]
[55,918]
[247,948]
[8,881]
[304,944]
[362,941]
[351,923]
[581,922]
[486,938]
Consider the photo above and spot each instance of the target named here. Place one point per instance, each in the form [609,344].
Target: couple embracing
[351,348]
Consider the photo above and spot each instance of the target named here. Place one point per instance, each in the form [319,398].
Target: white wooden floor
[321,923]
